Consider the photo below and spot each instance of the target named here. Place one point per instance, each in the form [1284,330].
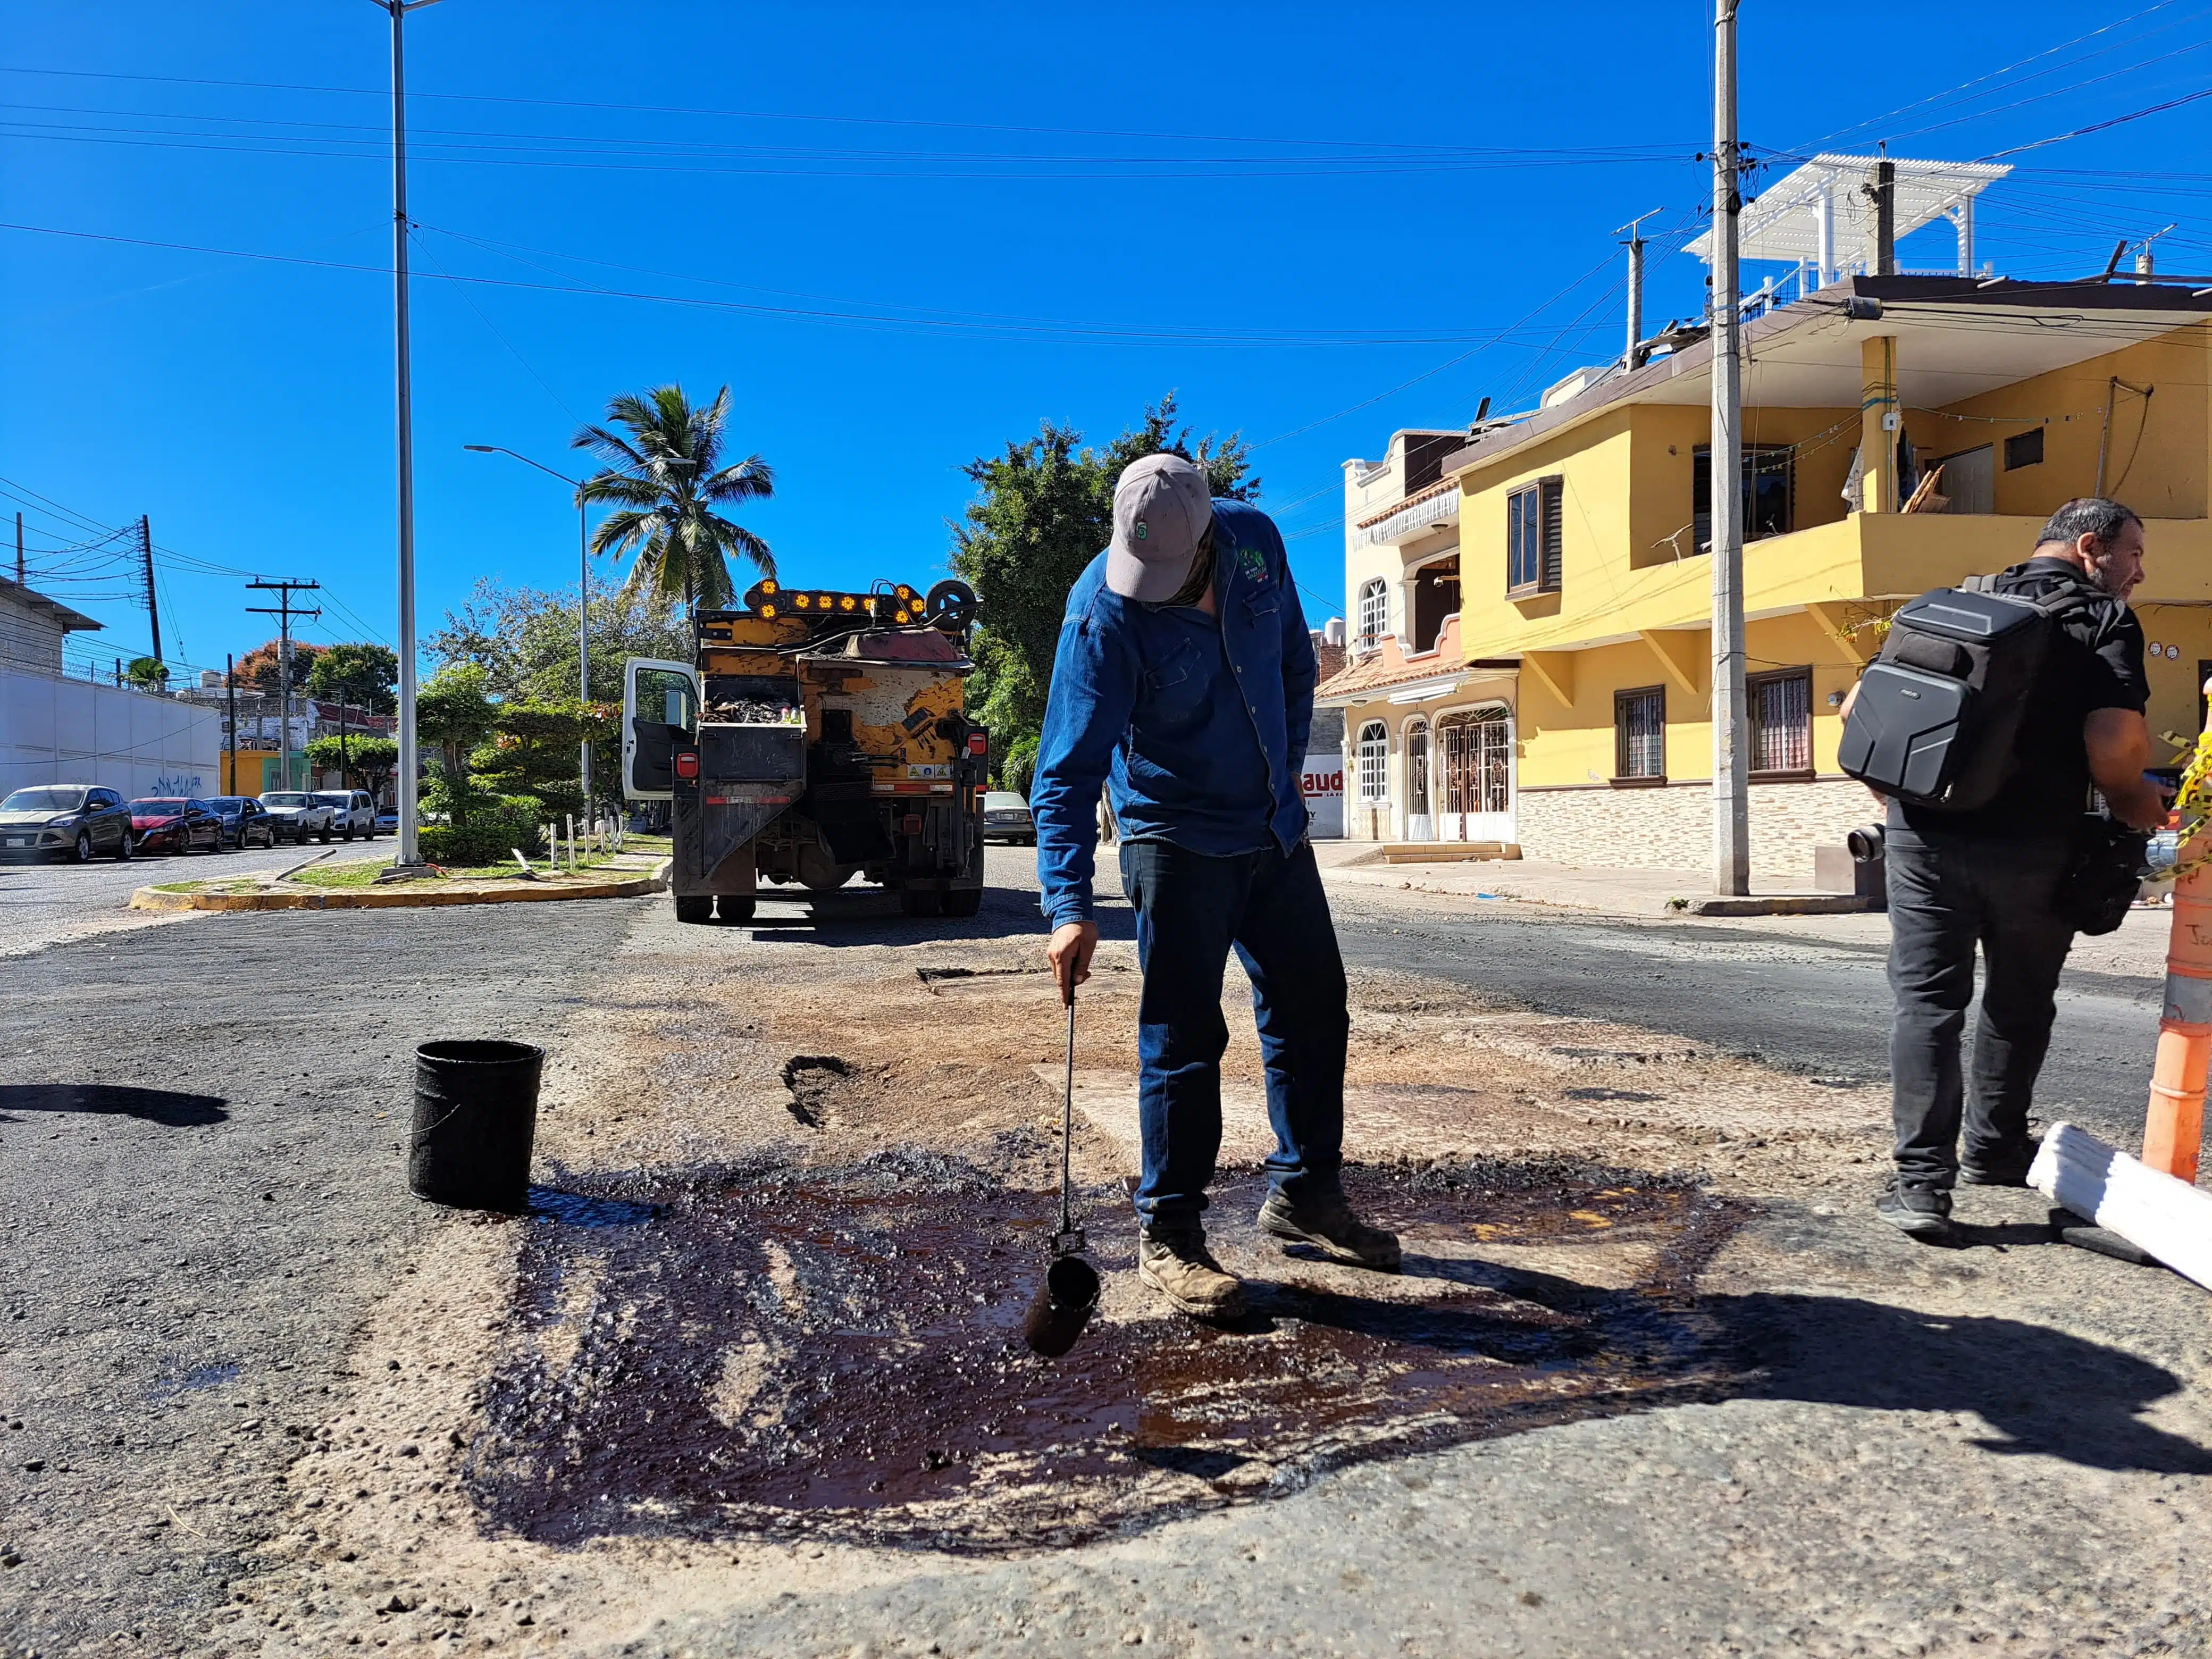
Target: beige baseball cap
[1161,508]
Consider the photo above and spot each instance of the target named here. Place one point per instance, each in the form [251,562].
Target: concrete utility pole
[19,550]
[152,610]
[410,852]
[283,610]
[230,693]
[1885,218]
[583,599]
[1731,786]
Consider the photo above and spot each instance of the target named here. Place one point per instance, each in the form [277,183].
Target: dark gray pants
[1945,896]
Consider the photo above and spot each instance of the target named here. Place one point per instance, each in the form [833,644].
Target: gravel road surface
[2000,1450]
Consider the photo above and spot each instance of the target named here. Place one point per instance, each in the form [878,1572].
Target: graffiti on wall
[176,783]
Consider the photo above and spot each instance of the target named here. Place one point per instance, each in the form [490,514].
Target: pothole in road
[838,1350]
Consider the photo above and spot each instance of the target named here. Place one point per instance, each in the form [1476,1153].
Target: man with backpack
[1995,851]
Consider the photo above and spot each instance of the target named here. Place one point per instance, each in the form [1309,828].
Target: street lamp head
[481,449]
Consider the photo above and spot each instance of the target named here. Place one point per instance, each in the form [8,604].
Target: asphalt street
[1799,1001]
[47,901]
[202,1200]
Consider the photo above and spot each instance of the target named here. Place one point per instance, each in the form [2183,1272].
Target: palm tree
[663,477]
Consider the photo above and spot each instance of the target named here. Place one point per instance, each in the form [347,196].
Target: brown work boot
[1329,1224]
[1181,1268]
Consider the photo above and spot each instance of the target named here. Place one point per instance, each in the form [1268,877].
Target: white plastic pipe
[2170,1218]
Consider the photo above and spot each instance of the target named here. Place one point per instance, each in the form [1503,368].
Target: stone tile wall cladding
[1672,828]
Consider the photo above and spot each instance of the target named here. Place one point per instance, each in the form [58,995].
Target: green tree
[1043,510]
[664,479]
[372,759]
[525,638]
[147,673]
[454,711]
[533,751]
[363,675]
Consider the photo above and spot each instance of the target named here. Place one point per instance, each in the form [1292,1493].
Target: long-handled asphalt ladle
[1065,1302]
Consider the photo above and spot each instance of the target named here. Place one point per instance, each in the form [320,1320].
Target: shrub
[496,827]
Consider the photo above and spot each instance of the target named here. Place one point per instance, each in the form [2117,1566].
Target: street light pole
[1731,780]
[583,602]
[409,851]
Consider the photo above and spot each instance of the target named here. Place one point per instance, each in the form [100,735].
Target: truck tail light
[978,743]
[687,764]
[911,823]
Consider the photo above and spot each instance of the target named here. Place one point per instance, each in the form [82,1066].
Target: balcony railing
[1438,504]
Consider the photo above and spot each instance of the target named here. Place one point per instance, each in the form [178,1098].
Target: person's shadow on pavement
[164,1106]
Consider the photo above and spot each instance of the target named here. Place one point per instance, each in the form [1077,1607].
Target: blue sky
[903,235]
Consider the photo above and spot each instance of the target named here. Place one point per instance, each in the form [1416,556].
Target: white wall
[64,731]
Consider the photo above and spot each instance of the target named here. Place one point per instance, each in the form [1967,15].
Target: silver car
[352,812]
[1006,817]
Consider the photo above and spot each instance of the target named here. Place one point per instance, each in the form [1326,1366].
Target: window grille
[1417,771]
[1639,733]
[1374,762]
[1477,751]
[1781,720]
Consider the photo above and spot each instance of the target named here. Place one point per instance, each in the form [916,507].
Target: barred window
[1639,733]
[1374,762]
[1374,612]
[1781,706]
[1477,749]
[1416,769]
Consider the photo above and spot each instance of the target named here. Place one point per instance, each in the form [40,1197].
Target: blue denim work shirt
[1196,726]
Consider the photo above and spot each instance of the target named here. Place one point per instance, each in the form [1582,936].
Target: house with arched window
[1429,736]
[1532,662]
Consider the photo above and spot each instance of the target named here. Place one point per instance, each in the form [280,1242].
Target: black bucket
[1062,1307]
[476,1114]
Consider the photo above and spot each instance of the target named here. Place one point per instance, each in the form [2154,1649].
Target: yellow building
[1580,589]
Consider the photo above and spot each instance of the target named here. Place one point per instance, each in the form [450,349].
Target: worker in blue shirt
[1183,684]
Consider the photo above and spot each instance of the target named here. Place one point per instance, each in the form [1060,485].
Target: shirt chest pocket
[1177,689]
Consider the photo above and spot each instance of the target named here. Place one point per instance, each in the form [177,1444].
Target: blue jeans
[1191,911]
[1946,895]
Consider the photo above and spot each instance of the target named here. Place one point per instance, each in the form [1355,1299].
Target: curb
[147,898]
[1803,904]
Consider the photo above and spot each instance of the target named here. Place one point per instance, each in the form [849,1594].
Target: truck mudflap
[749,776]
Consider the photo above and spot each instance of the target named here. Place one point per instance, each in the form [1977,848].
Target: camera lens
[1865,845]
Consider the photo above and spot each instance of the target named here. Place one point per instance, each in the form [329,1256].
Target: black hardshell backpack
[1937,718]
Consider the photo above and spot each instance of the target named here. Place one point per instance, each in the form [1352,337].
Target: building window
[1781,708]
[1374,762]
[1374,613]
[1533,564]
[1477,751]
[2024,448]
[1639,733]
[1417,770]
[1765,492]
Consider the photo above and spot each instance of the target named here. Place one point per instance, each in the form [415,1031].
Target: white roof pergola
[1821,216]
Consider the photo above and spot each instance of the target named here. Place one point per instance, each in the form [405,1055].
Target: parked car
[352,812]
[74,820]
[388,820]
[175,823]
[1006,817]
[246,821]
[295,815]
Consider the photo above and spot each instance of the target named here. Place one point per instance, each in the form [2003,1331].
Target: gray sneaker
[1181,1268]
[1329,1224]
[1910,1207]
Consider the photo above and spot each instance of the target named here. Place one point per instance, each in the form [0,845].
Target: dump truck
[816,735]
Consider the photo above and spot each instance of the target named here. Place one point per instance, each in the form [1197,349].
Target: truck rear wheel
[964,900]
[734,906]
[695,909]
[921,901]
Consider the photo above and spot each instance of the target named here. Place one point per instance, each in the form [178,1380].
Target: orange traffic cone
[2175,1126]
